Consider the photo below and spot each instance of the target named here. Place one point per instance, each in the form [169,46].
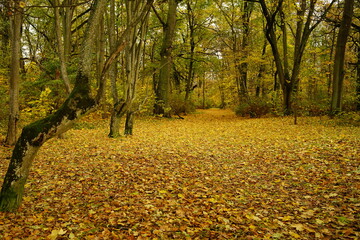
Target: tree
[237,16]
[16,11]
[339,60]
[133,56]
[60,45]
[162,89]
[79,102]
[305,22]
[133,52]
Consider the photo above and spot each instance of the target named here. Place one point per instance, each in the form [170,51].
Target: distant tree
[288,61]
[237,16]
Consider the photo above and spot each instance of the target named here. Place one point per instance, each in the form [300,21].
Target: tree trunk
[37,133]
[15,36]
[129,123]
[117,113]
[243,67]
[358,78]
[61,49]
[133,54]
[338,75]
[113,72]
[305,24]
[162,105]
[190,72]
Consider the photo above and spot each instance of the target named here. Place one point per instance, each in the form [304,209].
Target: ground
[211,175]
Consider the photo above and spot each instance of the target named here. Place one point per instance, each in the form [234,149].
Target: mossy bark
[35,135]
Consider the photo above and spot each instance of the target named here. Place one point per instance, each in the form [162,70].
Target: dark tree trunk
[129,123]
[162,105]
[338,75]
[358,78]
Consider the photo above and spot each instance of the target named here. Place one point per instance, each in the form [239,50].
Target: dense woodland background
[217,55]
[208,174]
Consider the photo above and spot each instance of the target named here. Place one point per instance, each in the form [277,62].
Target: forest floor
[211,175]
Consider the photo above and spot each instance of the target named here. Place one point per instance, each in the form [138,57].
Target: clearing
[211,175]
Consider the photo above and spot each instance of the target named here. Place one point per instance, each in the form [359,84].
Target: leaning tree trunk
[15,36]
[37,133]
[338,75]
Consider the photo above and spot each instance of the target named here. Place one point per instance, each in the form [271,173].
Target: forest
[179,119]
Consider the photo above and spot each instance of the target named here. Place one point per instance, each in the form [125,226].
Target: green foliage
[313,108]
[255,108]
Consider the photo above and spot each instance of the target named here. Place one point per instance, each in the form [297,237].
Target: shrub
[348,118]
[254,108]
[178,104]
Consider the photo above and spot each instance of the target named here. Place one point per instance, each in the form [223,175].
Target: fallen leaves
[209,176]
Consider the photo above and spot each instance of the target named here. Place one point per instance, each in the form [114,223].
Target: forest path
[211,175]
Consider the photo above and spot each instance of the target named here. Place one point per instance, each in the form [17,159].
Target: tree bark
[190,74]
[113,72]
[243,67]
[358,78]
[129,123]
[339,61]
[15,39]
[61,49]
[162,105]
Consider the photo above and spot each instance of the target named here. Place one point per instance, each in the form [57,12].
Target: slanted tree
[80,101]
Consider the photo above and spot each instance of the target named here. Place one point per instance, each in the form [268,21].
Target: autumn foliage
[211,175]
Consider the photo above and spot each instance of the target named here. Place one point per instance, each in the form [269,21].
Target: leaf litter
[211,175]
